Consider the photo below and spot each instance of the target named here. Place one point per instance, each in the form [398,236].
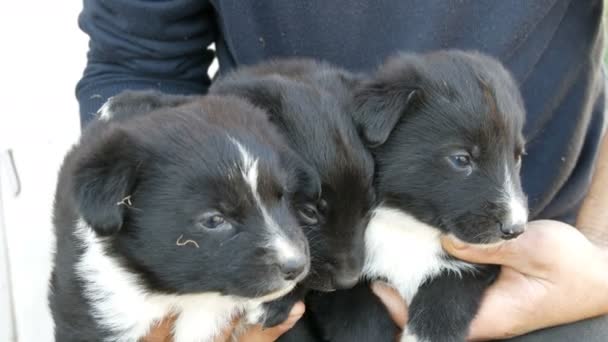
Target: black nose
[512,231]
[293,267]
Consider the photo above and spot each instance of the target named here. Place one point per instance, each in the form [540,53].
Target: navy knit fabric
[553,48]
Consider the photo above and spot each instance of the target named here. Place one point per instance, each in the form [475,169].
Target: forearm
[593,216]
[144,44]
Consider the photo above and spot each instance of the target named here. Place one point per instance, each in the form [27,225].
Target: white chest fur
[404,250]
[122,306]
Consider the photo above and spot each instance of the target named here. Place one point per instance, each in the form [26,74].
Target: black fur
[143,181]
[418,111]
[308,101]
[455,102]
[132,103]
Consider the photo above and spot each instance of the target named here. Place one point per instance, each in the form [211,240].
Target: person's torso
[552,47]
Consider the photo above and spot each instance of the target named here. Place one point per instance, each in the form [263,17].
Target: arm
[144,44]
[592,219]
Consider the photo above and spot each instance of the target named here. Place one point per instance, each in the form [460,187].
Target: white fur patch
[124,307]
[405,250]
[249,170]
[104,113]
[407,337]
[285,250]
[518,212]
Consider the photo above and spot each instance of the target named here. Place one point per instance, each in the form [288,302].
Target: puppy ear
[305,181]
[132,103]
[104,177]
[380,103]
[263,92]
[308,181]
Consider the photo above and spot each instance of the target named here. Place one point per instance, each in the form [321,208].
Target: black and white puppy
[307,101]
[447,127]
[186,210]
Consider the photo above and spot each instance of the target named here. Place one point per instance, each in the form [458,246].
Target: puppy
[447,131]
[306,100]
[186,210]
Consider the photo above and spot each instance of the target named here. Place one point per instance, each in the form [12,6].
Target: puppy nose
[512,231]
[293,267]
[346,281]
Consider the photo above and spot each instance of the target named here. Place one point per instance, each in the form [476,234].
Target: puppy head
[319,129]
[449,130]
[189,207]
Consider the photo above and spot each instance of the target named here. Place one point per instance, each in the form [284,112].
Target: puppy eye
[308,214]
[461,161]
[212,221]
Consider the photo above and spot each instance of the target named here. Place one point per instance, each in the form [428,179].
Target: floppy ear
[132,103]
[262,92]
[308,181]
[305,181]
[380,102]
[104,177]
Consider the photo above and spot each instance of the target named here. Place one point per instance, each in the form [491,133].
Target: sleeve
[144,44]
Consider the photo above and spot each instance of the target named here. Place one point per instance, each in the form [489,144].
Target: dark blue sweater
[553,47]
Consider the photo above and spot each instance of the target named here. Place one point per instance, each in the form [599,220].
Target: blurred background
[43,56]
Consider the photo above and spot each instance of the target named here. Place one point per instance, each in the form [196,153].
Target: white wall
[42,56]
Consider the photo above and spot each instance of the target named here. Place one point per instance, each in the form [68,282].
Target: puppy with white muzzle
[446,131]
[186,210]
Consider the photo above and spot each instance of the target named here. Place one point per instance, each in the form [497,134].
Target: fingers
[395,305]
[504,253]
[258,334]
[529,253]
[226,332]
[162,332]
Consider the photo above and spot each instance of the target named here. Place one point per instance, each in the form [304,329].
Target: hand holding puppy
[550,275]
[259,334]
[162,332]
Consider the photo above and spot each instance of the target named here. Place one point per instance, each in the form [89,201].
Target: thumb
[259,334]
[507,253]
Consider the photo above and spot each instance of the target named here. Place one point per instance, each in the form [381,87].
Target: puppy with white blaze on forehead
[185,209]
[446,130]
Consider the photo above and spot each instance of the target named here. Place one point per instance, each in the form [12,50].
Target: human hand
[550,275]
[258,334]
[162,332]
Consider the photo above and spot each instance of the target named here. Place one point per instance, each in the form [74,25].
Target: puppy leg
[356,314]
[303,331]
[131,103]
[443,307]
[277,311]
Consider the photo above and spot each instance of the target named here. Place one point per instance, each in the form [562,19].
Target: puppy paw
[276,312]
